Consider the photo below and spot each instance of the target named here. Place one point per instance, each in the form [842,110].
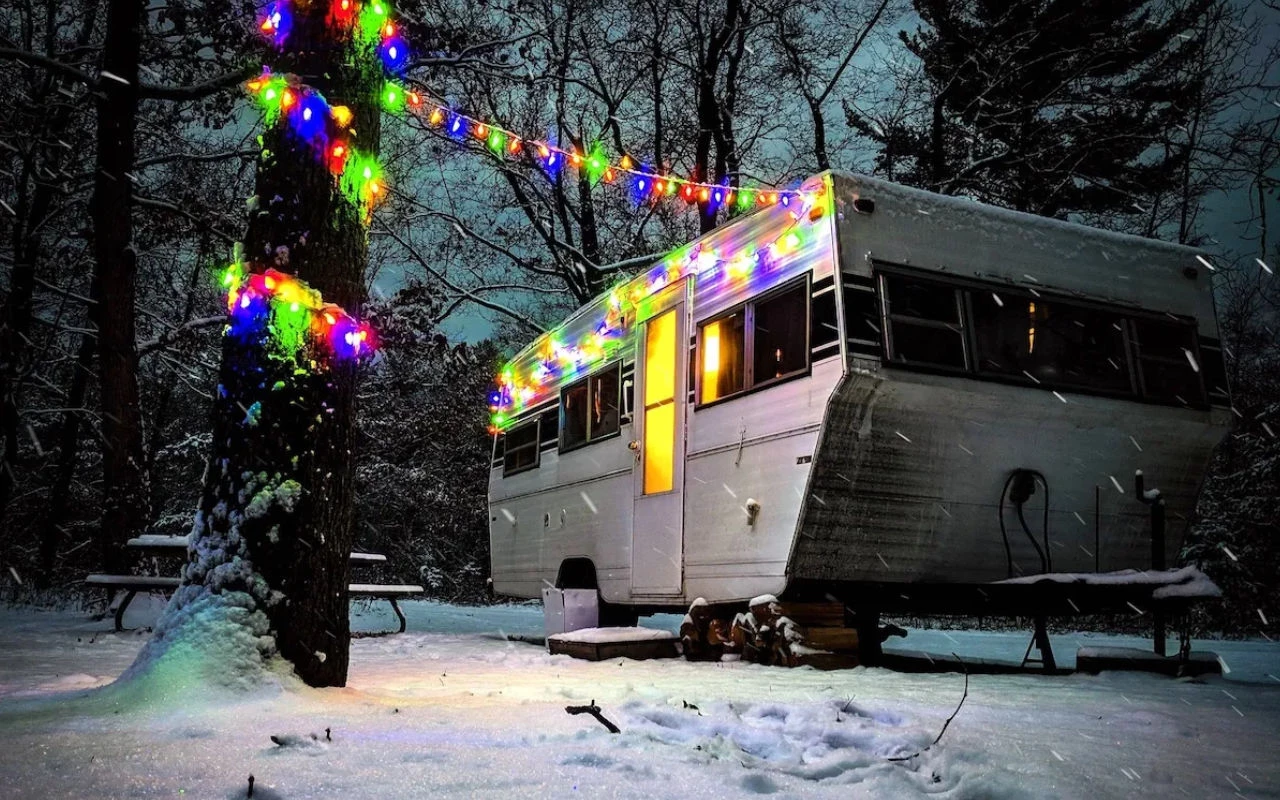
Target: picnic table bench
[165,545]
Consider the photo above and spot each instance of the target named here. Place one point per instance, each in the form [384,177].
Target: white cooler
[569,609]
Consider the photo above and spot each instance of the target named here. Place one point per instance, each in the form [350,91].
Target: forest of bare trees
[129,153]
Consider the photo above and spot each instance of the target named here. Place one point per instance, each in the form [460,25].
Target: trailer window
[723,356]
[549,429]
[589,408]
[862,323]
[520,448]
[1167,361]
[924,322]
[1049,342]
[779,336]
[824,334]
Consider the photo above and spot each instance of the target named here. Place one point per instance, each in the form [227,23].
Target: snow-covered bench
[388,592]
[158,544]
[164,544]
[131,585]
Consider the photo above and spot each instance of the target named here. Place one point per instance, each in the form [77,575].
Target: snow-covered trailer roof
[916,228]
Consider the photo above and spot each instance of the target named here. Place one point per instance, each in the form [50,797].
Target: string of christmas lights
[325,128]
[270,301]
[645,183]
[523,385]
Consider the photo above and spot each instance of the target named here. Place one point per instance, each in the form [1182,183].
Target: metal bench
[164,545]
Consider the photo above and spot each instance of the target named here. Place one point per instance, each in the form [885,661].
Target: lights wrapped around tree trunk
[293,314]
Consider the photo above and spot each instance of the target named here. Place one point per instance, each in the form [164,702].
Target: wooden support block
[818,615]
[831,638]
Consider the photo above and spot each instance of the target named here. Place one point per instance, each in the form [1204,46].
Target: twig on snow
[594,710]
[963,697]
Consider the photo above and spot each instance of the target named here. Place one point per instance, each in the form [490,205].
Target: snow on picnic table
[453,709]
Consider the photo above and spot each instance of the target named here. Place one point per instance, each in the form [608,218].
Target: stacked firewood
[770,632]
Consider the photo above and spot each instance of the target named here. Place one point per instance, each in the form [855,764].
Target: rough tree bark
[274,527]
[125,506]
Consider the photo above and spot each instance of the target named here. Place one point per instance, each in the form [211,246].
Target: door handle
[634,445]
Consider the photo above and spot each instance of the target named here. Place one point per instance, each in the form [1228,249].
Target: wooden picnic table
[165,545]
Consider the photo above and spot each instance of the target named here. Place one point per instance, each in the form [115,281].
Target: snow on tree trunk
[269,554]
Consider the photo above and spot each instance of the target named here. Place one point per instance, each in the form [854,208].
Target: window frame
[616,366]
[1128,315]
[536,423]
[748,308]
[1139,360]
[1124,315]
[888,319]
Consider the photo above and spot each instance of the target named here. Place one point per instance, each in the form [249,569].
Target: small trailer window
[862,320]
[1167,361]
[520,448]
[924,322]
[779,336]
[1049,342]
[589,409]
[824,333]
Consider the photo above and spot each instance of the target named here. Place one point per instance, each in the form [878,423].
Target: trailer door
[657,540]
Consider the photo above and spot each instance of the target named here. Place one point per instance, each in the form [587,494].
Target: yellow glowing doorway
[662,371]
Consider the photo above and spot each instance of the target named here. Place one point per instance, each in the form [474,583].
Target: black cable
[1044,530]
[1044,564]
[1008,553]
[1046,558]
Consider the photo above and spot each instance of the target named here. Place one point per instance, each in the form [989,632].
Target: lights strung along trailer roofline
[525,382]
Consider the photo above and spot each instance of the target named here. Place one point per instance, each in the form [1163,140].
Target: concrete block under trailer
[892,398]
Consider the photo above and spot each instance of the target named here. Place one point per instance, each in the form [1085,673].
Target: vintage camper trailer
[871,393]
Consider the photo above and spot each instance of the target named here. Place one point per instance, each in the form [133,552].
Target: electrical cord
[1024,492]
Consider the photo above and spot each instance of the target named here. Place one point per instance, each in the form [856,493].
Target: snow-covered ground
[452,709]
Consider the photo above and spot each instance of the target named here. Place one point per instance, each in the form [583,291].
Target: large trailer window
[924,322]
[1030,338]
[1023,336]
[764,341]
[520,448]
[589,409]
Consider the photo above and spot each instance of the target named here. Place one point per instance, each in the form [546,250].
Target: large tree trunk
[124,487]
[274,529]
